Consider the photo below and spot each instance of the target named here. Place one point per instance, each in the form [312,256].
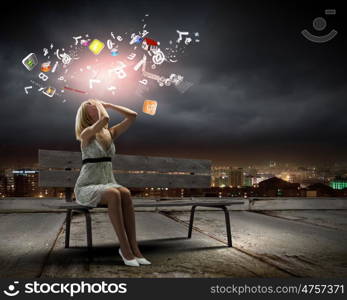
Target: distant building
[236,177]
[307,182]
[320,190]
[10,188]
[25,183]
[222,180]
[220,176]
[276,187]
[251,171]
[3,183]
[261,177]
[272,164]
[227,176]
[247,180]
[338,183]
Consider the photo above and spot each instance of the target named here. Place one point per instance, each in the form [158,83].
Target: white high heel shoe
[129,262]
[142,261]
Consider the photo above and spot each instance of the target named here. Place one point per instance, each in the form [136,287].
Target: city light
[286,180]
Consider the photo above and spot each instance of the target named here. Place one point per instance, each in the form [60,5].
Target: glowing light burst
[107,77]
[118,66]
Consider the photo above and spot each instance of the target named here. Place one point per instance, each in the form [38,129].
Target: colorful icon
[149,44]
[49,91]
[96,46]
[138,39]
[135,39]
[46,66]
[114,52]
[149,107]
[30,61]
[84,43]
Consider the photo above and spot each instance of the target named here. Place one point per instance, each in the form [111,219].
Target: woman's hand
[95,101]
[105,104]
[101,109]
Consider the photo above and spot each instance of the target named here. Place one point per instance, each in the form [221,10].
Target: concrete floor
[266,244]
[26,240]
[302,243]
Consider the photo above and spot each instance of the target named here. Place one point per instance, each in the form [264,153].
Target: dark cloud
[261,91]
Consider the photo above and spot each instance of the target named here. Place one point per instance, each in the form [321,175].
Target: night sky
[261,90]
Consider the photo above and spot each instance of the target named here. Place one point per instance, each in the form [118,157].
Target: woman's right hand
[101,108]
[105,104]
[99,103]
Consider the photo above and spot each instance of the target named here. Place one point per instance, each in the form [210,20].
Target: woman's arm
[121,127]
[101,109]
[125,111]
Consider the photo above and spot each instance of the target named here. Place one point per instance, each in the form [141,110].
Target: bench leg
[227,221]
[67,226]
[89,233]
[192,211]
[227,224]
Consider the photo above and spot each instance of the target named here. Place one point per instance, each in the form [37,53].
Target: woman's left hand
[105,104]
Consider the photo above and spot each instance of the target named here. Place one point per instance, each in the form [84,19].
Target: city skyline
[225,181]
[261,91]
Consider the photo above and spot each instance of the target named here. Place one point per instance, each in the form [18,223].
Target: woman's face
[92,111]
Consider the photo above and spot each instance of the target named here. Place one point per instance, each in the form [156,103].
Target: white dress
[94,178]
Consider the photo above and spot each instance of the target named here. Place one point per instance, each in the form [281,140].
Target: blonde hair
[83,119]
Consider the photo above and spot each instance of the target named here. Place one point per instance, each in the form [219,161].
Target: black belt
[95,160]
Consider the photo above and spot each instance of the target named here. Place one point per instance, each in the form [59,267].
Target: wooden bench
[61,169]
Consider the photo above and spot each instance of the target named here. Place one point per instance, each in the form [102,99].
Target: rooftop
[291,237]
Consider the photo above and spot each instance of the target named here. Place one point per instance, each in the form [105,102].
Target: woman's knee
[125,195]
[111,194]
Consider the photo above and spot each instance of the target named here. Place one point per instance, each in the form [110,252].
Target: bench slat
[60,178]
[70,159]
[73,205]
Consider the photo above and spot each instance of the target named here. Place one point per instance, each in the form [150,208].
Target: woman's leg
[112,198]
[129,219]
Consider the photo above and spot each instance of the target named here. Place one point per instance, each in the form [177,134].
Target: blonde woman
[96,183]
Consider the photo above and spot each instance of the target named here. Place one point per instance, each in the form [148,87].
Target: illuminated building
[25,183]
[3,183]
[226,176]
[236,177]
[10,189]
[261,177]
[272,164]
[247,180]
[220,176]
[252,171]
[338,183]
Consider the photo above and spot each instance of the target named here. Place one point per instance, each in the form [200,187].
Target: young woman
[96,183]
